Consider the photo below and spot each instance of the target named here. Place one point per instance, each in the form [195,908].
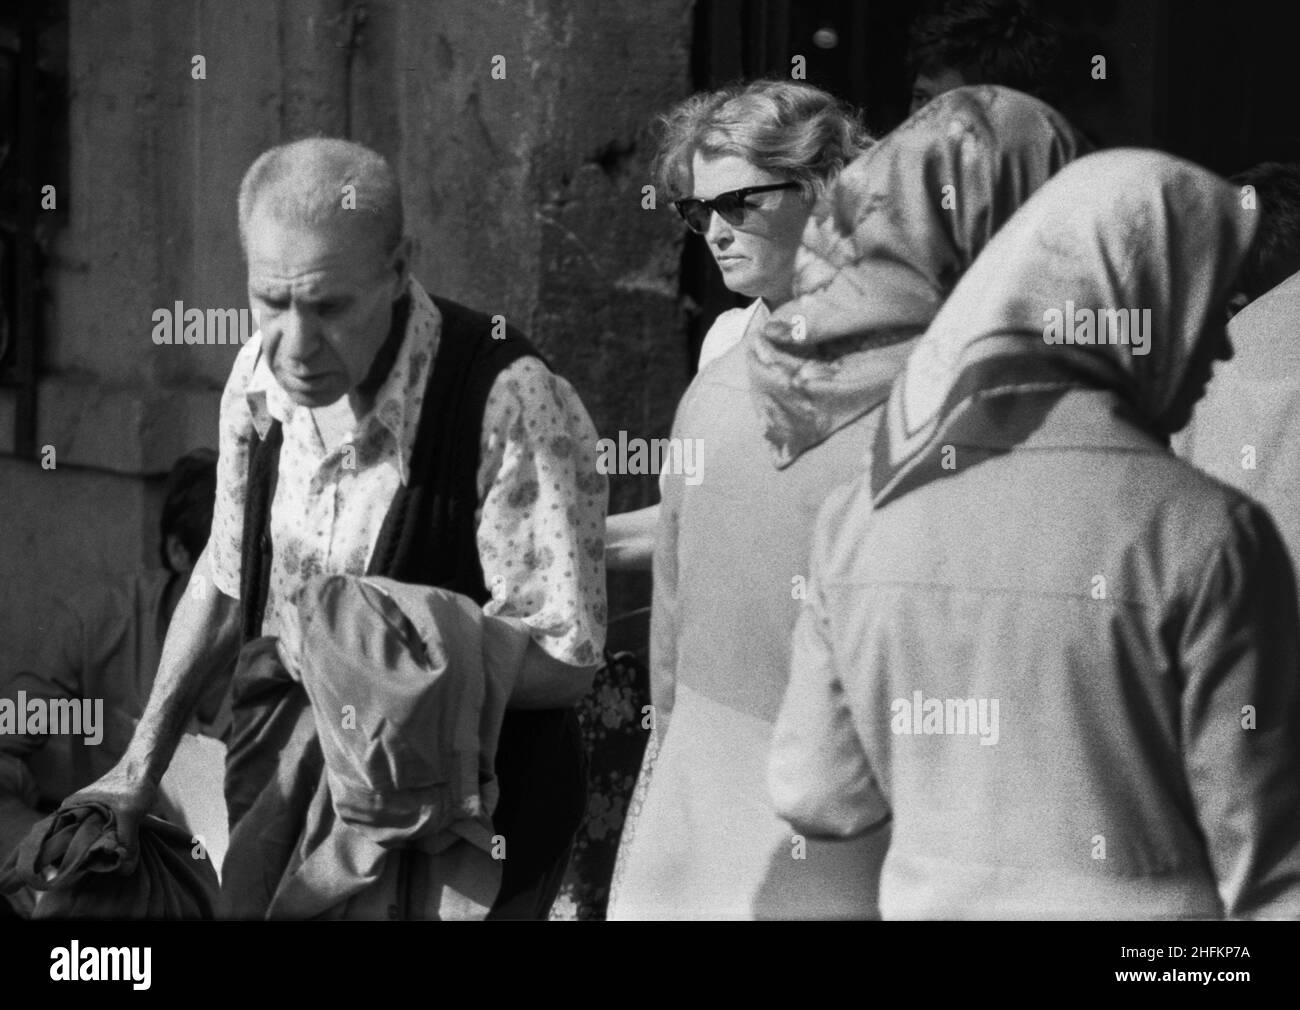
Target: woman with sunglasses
[743,167]
[785,416]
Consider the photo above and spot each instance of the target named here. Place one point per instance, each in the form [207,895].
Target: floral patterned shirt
[541,513]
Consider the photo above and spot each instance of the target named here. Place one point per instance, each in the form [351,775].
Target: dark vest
[428,538]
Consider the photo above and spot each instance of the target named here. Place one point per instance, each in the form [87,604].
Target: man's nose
[298,338]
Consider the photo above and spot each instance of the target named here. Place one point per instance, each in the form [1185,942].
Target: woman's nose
[719,232]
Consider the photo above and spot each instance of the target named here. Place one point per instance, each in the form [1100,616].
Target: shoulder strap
[255,548]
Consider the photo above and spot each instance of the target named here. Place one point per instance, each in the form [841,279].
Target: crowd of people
[985,605]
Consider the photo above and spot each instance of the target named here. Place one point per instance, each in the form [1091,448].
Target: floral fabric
[611,717]
[542,503]
[884,249]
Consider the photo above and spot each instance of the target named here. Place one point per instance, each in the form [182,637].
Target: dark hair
[189,496]
[990,42]
[1275,255]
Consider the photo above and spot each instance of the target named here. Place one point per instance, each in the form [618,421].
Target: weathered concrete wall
[523,195]
[607,311]
[64,527]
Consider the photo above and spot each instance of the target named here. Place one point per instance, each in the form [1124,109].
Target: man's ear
[400,263]
[177,556]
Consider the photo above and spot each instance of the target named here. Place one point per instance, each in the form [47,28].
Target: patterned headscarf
[1121,231]
[887,245]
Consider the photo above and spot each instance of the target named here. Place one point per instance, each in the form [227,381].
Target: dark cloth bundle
[95,877]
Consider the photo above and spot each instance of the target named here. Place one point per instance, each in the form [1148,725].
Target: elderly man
[366,417]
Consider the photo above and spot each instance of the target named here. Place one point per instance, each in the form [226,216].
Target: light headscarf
[1124,229]
[887,245]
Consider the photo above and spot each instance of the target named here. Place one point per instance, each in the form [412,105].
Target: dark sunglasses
[730,206]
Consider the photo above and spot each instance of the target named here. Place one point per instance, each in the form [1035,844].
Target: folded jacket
[373,739]
[169,877]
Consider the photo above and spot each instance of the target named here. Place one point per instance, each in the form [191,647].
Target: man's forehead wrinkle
[312,281]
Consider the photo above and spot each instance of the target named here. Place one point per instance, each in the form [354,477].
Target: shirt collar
[397,401]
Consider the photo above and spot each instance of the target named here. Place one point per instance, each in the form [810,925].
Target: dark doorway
[1208,82]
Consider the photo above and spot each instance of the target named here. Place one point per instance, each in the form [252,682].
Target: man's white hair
[306,183]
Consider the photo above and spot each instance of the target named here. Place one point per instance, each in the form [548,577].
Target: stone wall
[523,195]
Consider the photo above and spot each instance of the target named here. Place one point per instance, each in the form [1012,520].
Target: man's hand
[129,792]
[202,642]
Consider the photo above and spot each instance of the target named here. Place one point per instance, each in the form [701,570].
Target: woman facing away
[1067,658]
[758,155]
[782,417]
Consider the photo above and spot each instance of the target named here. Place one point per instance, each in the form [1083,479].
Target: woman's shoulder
[726,331]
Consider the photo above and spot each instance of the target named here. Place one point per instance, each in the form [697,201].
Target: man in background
[982,42]
[103,644]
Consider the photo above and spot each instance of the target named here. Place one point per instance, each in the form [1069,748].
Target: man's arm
[203,636]
[541,535]
[202,641]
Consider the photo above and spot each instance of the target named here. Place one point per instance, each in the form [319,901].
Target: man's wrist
[140,765]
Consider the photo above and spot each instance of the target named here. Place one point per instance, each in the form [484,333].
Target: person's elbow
[546,682]
[812,817]
[817,807]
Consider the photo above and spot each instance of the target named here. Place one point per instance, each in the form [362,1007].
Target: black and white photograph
[817,464]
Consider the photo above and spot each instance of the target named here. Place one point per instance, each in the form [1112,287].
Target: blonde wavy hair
[785,127]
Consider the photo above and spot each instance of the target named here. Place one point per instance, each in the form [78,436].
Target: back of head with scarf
[887,245]
[1119,230]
